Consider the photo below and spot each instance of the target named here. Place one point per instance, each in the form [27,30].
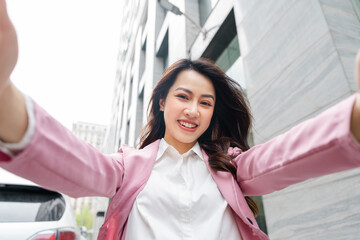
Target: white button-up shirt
[181,201]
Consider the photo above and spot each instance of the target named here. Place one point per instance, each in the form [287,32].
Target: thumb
[8,46]
[4,17]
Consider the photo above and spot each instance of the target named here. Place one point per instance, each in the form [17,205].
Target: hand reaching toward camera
[355,119]
[13,115]
[8,48]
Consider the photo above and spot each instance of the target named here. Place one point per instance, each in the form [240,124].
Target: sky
[67,56]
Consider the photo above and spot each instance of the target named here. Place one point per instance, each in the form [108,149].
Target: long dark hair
[230,123]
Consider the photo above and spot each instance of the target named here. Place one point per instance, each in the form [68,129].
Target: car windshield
[20,203]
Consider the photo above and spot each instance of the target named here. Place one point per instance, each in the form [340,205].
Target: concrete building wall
[299,60]
[296,60]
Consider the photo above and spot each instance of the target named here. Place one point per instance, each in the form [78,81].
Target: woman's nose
[192,111]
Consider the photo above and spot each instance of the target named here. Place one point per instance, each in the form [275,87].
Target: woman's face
[188,109]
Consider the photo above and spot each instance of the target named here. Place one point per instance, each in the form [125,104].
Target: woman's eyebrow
[190,92]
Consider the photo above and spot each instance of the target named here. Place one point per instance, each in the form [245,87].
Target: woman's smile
[187,125]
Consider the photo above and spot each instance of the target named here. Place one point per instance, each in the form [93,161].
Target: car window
[29,204]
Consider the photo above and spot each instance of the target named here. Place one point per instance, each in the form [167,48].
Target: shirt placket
[185,215]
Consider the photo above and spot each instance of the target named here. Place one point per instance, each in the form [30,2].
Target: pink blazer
[57,160]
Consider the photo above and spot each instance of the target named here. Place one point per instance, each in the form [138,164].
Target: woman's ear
[162,104]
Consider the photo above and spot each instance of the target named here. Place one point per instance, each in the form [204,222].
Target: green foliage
[85,218]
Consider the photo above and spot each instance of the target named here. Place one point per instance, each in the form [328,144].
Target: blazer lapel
[137,169]
[231,192]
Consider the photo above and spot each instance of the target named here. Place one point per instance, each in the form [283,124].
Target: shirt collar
[164,146]
[196,149]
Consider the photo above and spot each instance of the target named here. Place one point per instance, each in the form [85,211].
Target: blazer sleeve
[56,159]
[316,147]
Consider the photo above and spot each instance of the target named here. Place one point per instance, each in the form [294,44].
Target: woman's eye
[206,104]
[182,96]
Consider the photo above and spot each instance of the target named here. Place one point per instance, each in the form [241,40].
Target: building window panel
[139,115]
[222,39]
[130,92]
[205,8]
[229,55]
[164,50]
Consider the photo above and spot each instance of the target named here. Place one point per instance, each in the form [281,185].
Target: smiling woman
[188,108]
[198,93]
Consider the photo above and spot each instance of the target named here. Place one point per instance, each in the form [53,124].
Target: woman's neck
[179,146]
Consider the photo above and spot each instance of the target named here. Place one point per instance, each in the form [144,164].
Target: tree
[85,217]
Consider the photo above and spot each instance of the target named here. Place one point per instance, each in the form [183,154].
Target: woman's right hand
[8,48]
[13,114]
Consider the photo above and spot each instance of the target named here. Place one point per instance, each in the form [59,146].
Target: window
[139,114]
[29,204]
[224,48]
[127,133]
[230,54]
[130,92]
[205,7]
[142,60]
[164,50]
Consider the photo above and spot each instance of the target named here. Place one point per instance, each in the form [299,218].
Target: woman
[194,166]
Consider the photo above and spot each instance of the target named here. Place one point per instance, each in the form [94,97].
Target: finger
[4,17]
[8,46]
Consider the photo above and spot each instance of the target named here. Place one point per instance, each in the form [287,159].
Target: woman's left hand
[355,118]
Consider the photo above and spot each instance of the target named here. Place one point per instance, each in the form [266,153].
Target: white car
[29,212]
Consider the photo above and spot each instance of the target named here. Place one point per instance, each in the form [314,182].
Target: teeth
[186,124]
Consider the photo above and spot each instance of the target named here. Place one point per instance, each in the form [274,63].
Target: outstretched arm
[355,117]
[54,158]
[13,115]
[319,146]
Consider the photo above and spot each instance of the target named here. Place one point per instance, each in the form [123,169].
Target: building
[293,58]
[93,134]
